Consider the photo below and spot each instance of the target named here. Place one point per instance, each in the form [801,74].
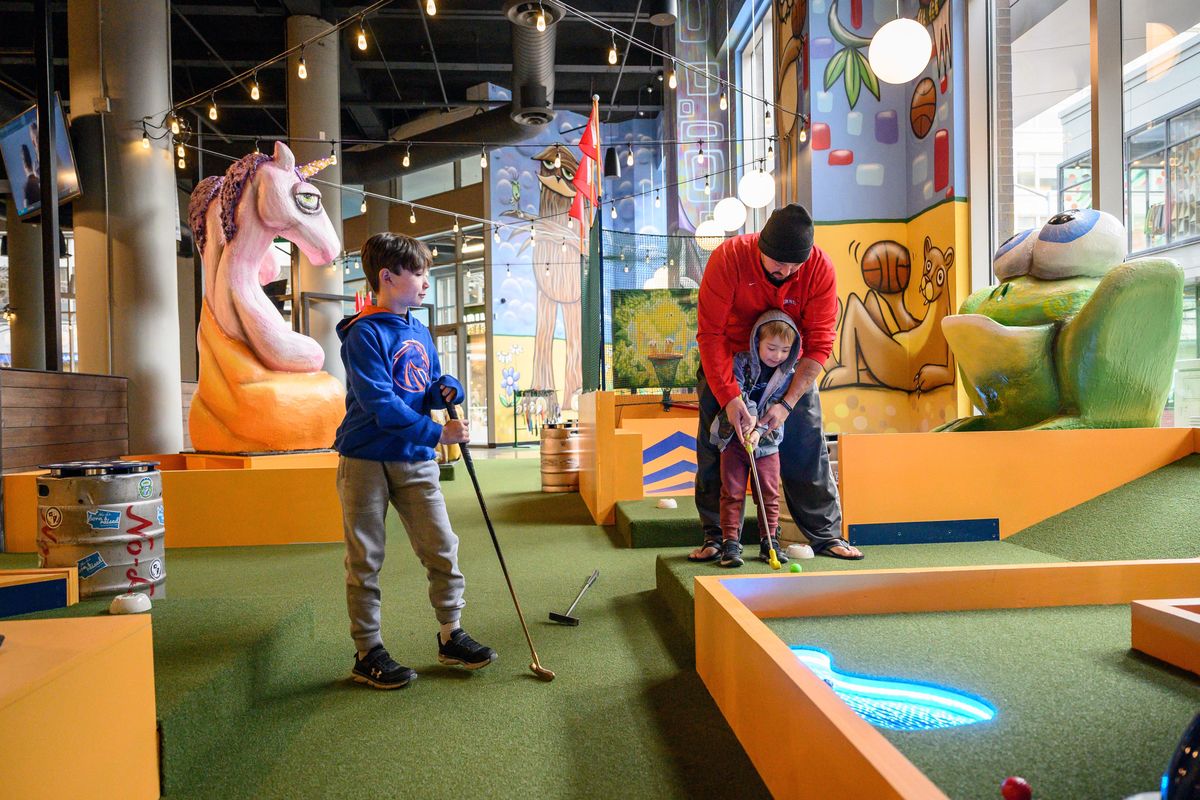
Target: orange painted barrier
[1016,477]
[66,687]
[1168,630]
[776,705]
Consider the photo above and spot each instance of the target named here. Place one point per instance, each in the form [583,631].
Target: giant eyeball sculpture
[1078,242]
[1015,256]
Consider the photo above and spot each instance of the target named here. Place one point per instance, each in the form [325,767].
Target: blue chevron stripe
[676,439]
[679,487]
[678,468]
[678,454]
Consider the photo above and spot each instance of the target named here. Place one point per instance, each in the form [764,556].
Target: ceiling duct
[530,110]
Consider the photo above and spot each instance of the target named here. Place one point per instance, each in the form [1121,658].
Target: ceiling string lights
[302,68]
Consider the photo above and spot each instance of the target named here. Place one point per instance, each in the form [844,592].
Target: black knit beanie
[788,235]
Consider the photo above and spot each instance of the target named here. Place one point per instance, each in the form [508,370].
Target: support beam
[1108,155]
[48,176]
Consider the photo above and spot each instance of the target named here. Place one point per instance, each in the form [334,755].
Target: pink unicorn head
[289,206]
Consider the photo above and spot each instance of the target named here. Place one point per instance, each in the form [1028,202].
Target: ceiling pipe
[531,108]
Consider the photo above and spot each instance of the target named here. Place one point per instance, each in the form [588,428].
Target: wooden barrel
[560,457]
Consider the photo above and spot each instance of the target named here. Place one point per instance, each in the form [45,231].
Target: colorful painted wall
[885,161]
[534,292]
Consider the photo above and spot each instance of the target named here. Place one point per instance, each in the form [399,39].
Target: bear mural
[1073,336]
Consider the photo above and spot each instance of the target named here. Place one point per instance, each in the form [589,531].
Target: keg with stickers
[560,457]
[106,518]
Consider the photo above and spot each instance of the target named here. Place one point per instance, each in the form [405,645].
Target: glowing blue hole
[895,704]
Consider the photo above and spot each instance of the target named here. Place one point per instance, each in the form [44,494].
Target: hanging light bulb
[629,157]
[541,19]
[302,68]
[672,81]
[563,247]
[433,252]
[557,159]
[412,215]
[532,233]
[767,113]
[660,77]
[255,94]
[362,207]
[212,109]
[179,150]
[483,159]
[707,187]
[496,235]
[257,150]
[803,134]
[362,34]
[182,164]
[700,155]
[145,139]
[657,201]
[407,152]
[431,8]
[770,148]
[756,188]
[456,224]
[612,51]
[899,50]
[174,126]
[724,102]
[614,211]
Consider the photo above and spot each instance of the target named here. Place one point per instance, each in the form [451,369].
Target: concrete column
[126,230]
[314,113]
[25,292]
[1108,141]
[377,210]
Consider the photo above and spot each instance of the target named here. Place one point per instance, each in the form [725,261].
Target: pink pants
[735,476]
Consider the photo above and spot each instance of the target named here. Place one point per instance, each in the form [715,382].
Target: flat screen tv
[19,148]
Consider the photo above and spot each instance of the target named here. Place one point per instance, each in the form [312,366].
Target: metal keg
[560,457]
[106,518]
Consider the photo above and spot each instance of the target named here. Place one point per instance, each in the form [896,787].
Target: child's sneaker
[379,670]
[462,649]
[731,553]
[764,550]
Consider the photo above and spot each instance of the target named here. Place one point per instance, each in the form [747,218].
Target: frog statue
[1073,336]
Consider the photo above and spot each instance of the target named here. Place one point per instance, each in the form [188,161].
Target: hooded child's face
[773,351]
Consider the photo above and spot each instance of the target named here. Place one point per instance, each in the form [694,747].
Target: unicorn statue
[261,386]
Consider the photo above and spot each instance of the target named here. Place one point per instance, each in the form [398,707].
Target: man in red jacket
[779,268]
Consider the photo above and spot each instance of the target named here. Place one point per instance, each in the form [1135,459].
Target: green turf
[1151,517]
[641,523]
[674,573]
[1079,714]
[625,717]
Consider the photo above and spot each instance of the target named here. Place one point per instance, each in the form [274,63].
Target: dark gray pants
[808,485]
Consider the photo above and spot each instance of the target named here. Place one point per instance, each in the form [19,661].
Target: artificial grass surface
[625,717]
[1154,516]
[1079,714]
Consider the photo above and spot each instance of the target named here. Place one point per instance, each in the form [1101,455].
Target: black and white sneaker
[764,550]
[464,651]
[731,553]
[377,669]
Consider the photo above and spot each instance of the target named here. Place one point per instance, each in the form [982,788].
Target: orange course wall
[1017,477]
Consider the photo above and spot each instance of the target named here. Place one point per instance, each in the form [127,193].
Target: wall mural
[791,89]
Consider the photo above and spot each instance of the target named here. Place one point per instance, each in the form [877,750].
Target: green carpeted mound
[1079,715]
[1151,517]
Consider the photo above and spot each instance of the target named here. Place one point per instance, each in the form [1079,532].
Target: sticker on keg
[160,515]
[155,569]
[103,520]
[90,565]
[53,516]
[145,487]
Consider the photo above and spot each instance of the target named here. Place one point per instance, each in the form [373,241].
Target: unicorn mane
[202,196]
[239,174]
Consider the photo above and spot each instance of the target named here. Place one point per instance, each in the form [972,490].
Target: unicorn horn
[313,167]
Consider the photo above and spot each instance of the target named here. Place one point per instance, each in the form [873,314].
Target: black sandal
[709,544]
[828,551]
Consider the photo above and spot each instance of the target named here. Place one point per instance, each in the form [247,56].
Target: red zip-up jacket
[735,291]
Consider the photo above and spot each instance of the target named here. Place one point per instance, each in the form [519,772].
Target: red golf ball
[1015,788]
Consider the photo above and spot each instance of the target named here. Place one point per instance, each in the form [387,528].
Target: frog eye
[1081,241]
[308,200]
[941,276]
[1015,256]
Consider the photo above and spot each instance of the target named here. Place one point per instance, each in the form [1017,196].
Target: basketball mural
[881,342]
[923,108]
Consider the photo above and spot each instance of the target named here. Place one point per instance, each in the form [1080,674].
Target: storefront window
[756,72]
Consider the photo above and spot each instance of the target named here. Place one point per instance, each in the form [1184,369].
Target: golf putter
[773,558]
[567,619]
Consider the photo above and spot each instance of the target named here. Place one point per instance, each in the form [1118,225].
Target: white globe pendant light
[709,234]
[756,188]
[730,214]
[900,50]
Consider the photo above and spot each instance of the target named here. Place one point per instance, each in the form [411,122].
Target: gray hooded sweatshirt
[746,369]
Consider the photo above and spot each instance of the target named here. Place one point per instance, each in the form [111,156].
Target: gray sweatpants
[365,488]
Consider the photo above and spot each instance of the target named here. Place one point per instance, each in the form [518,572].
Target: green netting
[623,261]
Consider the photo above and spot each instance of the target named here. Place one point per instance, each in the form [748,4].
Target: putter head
[563,619]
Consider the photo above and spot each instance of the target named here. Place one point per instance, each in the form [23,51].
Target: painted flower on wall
[509,380]
[849,63]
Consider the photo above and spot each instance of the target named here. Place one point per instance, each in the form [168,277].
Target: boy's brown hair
[777,329]
[393,251]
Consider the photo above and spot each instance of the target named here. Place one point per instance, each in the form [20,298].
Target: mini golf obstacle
[775,704]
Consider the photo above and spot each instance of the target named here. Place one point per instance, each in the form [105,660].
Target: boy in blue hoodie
[386,441]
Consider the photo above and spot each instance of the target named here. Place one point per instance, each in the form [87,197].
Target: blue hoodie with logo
[393,381]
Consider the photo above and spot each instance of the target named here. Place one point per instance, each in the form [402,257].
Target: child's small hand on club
[448,393]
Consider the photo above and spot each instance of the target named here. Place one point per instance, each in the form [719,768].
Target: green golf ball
[796,567]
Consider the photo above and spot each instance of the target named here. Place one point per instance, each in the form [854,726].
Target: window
[756,62]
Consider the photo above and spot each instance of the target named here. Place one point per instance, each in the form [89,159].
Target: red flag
[586,177]
[591,136]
